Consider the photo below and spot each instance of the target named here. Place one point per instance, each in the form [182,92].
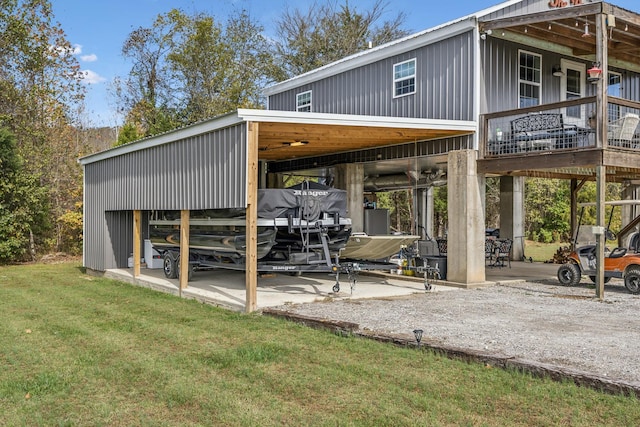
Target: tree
[328,32]
[40,89]
[188,68]
[23,203]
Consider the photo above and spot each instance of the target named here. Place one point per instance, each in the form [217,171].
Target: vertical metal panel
[206,171]
[444,86]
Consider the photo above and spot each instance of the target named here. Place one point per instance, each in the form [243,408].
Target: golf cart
[622,262]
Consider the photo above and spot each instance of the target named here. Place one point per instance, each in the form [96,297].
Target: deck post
[137,237]
[251,270]
[602,55]
[184,249]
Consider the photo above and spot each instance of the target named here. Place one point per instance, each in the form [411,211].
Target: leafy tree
[128,133]
[40,89]
[22,203]
[327,32]
[188,68]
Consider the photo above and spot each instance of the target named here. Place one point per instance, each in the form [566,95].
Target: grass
[541,252]
[78,350]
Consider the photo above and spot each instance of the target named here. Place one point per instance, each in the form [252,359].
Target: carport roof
[284,135]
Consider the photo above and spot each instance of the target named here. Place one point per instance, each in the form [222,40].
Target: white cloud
[77,49]
[91,77]
[89,58]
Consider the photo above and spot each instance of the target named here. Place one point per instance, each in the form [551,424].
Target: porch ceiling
[285,141]
[565,27]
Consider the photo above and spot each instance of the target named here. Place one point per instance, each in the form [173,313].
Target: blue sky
[98,30]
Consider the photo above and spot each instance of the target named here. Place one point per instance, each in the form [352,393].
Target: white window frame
[579,67]
[614,109]
[306,107]
[529,82]
[404,78]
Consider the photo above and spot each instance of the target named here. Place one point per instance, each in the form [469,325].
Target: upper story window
[303,102]
[530,79]
[404,78]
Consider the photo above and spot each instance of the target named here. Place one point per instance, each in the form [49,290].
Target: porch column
[465,241]
[629,212]
[350,177]
[184,249]
[512,213]
[426,212]
[251,221]
[137,238]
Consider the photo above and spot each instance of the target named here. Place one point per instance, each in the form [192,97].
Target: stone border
[536,369]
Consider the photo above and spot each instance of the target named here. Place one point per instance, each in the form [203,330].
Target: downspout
[477,83]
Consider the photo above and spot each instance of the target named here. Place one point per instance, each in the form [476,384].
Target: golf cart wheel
[336,288]
[170,266]
[606,279]
[569,274]
[632,280]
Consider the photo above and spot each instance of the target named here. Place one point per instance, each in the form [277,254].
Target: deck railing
[560,126]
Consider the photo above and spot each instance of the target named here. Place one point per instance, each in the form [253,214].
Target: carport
[221,163]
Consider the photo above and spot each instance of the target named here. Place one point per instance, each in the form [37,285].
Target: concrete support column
[350,177]
[465,241]
[512,212]
[629,212]
[425,212]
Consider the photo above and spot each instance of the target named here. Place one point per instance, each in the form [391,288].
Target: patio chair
[503,252]
[489,251]
[442,246]
[621,131]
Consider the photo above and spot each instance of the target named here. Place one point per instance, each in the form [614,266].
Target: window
[404,78]
[303,101]
[530,79]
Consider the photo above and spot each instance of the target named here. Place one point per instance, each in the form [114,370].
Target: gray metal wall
[500,61]
[444,86]
[207,171]
[527,7]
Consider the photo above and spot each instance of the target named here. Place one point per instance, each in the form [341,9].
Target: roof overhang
[284,135]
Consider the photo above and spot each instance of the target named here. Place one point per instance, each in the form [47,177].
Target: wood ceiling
[275,139]
[575,28]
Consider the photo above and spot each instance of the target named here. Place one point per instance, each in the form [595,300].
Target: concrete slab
[226,288]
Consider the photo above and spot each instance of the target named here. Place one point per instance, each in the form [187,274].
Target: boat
[302,224]
[361,246]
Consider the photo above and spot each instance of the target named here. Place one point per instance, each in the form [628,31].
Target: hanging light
[586,30]
[595,72]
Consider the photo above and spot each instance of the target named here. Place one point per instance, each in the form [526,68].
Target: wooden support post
[251,271]
[184,249]
[137,238]
[601,184]
[602,55]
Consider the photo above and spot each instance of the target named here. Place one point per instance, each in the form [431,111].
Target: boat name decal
[314,193]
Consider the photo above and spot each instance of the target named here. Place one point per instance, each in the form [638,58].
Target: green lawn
[78,350]
[542,252]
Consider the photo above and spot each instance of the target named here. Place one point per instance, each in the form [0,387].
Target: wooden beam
[251,225]
[533,18]
[548,160]
[184,249]
[137,238]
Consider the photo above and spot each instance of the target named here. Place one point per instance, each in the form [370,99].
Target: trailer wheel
[191,269]
[632,280]
[569,274]
[170,266]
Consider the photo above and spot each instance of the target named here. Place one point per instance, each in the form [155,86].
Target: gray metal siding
[207,171]
[527,7]
[500,62]
[444,86]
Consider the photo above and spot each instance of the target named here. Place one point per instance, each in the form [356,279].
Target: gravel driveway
[539,322]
